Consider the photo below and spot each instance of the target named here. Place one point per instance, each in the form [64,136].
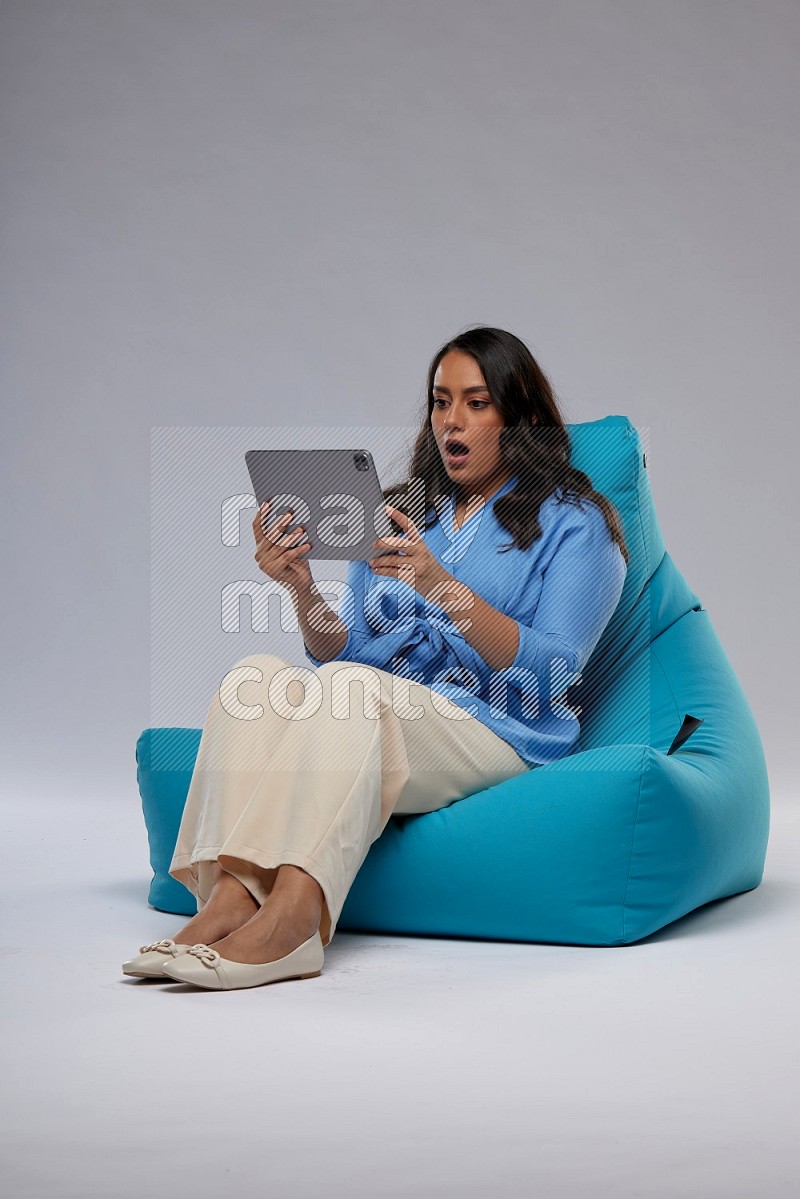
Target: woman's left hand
[422,570]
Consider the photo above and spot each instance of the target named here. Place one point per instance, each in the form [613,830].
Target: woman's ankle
[229,889]
[226,909]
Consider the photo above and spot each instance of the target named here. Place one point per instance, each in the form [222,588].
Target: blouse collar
[451,504]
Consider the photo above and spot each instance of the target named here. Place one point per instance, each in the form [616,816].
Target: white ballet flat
[152,957]
[202,966]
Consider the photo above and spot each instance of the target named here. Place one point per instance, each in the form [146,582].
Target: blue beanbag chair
[663,806]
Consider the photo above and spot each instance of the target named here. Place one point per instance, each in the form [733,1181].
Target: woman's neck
[486,489]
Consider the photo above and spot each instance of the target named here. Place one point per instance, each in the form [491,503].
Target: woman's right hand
[278,554]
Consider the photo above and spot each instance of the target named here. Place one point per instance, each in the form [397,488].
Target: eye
[438,400]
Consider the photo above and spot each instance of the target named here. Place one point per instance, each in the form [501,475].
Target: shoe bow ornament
[208,956]
[166,946]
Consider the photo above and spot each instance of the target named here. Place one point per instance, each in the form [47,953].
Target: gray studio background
[226,219]
[256,214]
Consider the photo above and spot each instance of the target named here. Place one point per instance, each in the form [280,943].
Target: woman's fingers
[286,542]
[260,516]
[277,550]
[290,540]
[275,534]
[258,527]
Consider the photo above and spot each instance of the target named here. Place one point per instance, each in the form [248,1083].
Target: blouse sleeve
[581,588]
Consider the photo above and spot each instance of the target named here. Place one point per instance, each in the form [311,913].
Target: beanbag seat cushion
[663,806]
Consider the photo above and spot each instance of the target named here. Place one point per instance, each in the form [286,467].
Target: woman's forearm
[323,632]
[491,633]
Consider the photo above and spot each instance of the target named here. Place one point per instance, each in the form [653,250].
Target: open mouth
[456,451]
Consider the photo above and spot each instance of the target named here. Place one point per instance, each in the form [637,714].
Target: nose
[450,423]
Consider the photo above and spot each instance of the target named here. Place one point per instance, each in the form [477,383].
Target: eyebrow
[467,390]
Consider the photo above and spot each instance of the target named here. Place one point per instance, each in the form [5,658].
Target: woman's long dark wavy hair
[534,443]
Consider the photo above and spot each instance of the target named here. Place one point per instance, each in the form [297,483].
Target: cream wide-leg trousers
[305,765]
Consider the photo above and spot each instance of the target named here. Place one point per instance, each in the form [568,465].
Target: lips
[455,448]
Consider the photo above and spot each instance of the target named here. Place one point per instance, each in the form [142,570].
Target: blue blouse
[562,592]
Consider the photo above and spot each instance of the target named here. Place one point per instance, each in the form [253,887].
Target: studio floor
[412,1066]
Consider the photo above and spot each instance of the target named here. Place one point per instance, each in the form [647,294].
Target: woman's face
[464,411]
